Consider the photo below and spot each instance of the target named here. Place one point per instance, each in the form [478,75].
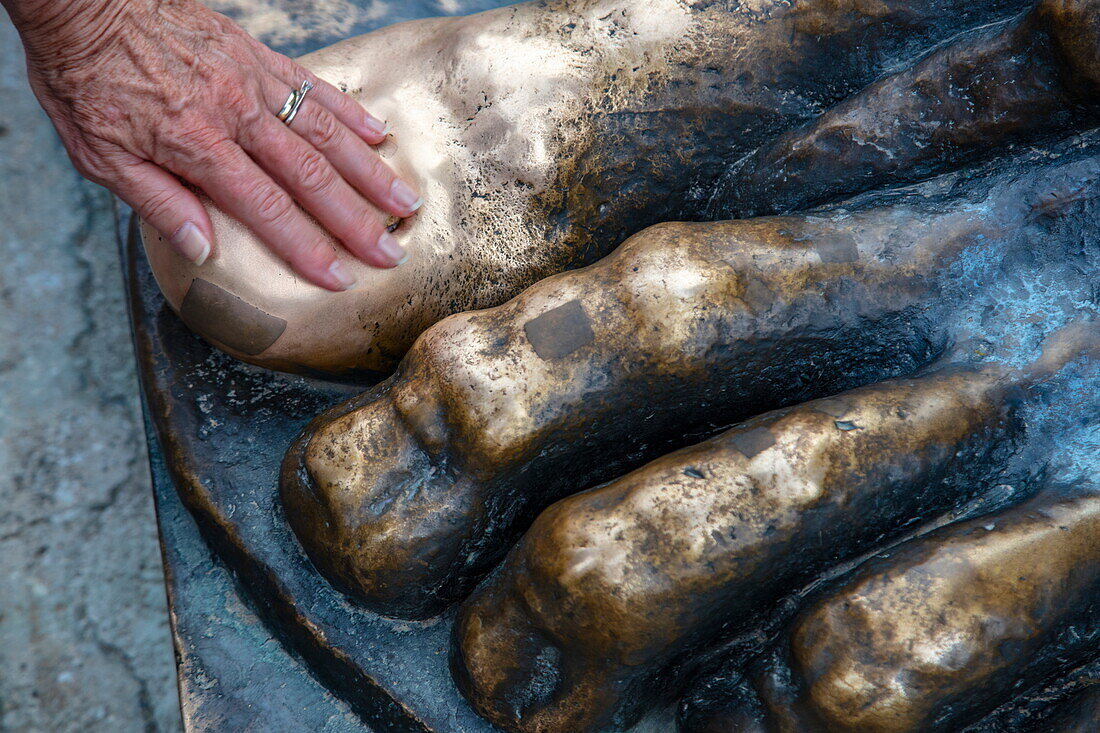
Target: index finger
[243,190]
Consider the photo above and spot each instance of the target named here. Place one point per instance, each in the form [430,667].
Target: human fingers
[360,165]
[243,190]
[346,110]
[168,206]
[315,183]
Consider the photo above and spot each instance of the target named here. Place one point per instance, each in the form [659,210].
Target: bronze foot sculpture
[544,134]
[940,631]
[612,592]
[879,361]
[495,414]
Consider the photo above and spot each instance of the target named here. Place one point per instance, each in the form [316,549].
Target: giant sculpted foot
[717,424]
[932,636]
[542,135]
[408,495]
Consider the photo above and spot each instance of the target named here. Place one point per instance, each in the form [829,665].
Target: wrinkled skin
[902,354]
[151,95]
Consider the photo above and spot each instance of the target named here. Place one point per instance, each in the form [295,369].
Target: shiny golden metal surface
[545,134]
[951,622]
[611,593]
[483,110]
[1030,77]
[408,494]
[611,588]
[542,135]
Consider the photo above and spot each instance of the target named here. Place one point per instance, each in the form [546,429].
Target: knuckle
[325,130]
[311,256]
[201,143]
[236,96]
[376,169]
[315,175]
[366,224]
[233,83]
[158,206]
[297,71]
[344,104]
[377,176]
[92,159]
[285,66]
[250,121]
[270,204]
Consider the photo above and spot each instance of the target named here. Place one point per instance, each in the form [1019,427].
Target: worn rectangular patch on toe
[753,440]
[835,248]
[559,332]
[215,313]
[832,407]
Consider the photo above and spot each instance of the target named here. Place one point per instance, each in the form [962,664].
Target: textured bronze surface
[221,427]
[612,587]
[879,361]
[540,137]
[1025,78]
[599,608]
[952,622]
[1081,713]
[559,332]
[405,496]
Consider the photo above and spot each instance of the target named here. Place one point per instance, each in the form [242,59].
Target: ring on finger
[294,102]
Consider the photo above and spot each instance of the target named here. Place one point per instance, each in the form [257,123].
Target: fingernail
[405,195]
[389,246]
[375,125]
[341,275]
[191,243]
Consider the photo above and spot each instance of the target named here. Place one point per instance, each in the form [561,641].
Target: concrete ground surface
[84,637]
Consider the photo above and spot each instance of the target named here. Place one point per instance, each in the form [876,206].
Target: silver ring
[294,102]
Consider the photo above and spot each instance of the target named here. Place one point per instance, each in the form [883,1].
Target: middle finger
[357,162]
[316,184]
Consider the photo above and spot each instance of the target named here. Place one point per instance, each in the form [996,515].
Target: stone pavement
[84,638]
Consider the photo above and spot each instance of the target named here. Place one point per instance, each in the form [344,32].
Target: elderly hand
[149,94]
